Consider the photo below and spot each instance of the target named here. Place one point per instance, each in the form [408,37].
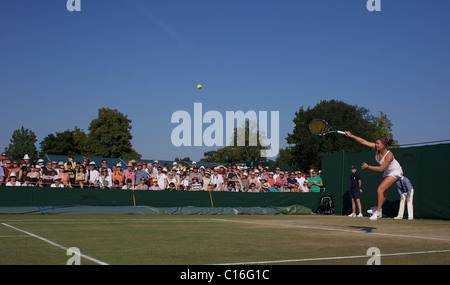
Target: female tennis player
[392,169]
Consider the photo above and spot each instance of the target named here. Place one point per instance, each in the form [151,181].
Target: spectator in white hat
[26,159]
[57,183]
[94,175]
[13,180]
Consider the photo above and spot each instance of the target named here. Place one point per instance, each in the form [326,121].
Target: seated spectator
[117,174]
[6,171]
[195,185]
[184,182]
[64,176]
[2,176]
[216,179]
[116,185]
[171,179]
[129,185]
[291,183]
[172,186]
[265,187]
[81,177]
[40,163]
[57,182]
[304,188]
[129,173]
[4,159]
[275,188]
[25,170]
[281,180]
[315,182]
[70,172]
[211,187]
[300,180]
[105,180]
[229,187]
[34,174]
[69,160]
[48,173]
[94,175]
[154,185]
[245,182]
[40,183]
[142,184]
[13,180]
[206,180]
[296,188]
[239,187]
[105,164]
[27,182]
[261,182]
[195,173]
[254,188]
[15,168]
[271,180]
[233,176]
[140,173]
[253,179]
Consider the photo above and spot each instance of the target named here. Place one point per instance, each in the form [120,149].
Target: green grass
[191,240]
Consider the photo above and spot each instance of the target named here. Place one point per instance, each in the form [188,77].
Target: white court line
[332,229]
[333,258]
[117,221]
[100,220]
[55,244]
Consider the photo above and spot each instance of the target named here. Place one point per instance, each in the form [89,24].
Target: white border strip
[55,244]
[333,258]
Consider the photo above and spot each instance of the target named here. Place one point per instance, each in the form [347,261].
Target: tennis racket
[320,127]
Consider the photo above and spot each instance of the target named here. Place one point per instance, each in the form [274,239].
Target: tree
[65,143]
[110,135]
[183,159]
[22,142]
[235,153]
[307,149]
[383,125]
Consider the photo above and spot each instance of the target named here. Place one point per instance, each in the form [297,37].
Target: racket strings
[318,127]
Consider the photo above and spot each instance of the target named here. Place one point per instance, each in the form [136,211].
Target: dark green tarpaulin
[53,197]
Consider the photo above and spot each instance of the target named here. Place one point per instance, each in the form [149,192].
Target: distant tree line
[109,135]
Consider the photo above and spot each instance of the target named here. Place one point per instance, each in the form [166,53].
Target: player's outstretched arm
[360,140]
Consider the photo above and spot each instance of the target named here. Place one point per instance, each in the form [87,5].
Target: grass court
[221,239]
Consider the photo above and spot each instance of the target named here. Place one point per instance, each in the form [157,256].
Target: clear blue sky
[145,59]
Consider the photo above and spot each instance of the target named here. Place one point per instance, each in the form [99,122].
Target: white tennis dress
[394,169]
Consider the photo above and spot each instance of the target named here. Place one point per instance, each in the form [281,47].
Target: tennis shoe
[373,209]
[376,215]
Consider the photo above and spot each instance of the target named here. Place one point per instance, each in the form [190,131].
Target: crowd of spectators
[153,176]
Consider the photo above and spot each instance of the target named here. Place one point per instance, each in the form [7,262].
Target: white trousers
[401,210]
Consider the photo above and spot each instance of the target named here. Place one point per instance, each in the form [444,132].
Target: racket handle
[341,132]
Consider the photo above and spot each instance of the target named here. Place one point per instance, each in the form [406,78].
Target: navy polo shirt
[354,178]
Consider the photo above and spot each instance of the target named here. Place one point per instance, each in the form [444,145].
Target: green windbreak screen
[426,167]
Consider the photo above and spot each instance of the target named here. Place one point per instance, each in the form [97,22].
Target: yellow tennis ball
[199,86]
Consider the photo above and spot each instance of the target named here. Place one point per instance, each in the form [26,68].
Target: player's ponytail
[386,141]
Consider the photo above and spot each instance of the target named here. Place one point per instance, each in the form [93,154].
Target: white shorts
[396,174]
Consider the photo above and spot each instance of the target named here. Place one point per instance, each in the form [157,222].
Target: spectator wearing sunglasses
[142,184]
